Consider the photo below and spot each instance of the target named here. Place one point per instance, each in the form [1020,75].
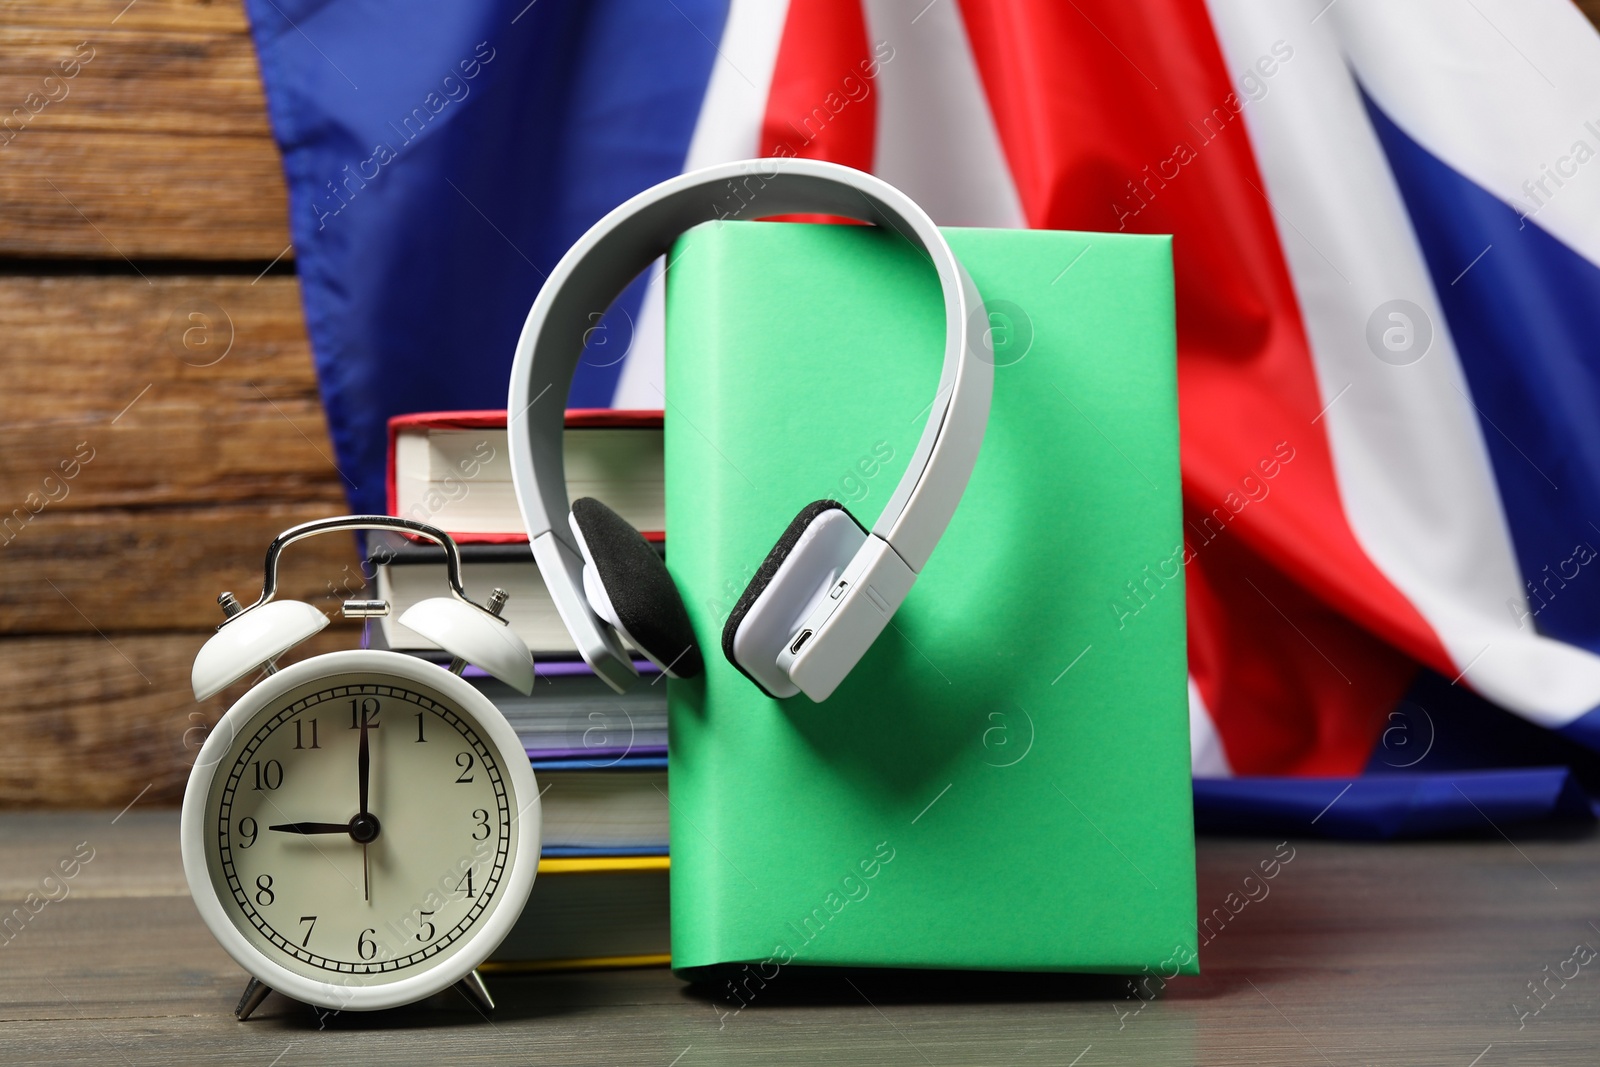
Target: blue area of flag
[429,198]
[1524,312]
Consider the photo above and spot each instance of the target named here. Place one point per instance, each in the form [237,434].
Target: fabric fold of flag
[1386,224]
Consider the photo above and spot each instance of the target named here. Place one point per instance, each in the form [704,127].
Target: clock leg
[474,990]
[254,994]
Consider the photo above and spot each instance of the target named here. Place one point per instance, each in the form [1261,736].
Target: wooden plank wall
[144,191]
[147,346]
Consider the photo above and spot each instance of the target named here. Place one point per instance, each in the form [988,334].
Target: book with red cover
[452,469]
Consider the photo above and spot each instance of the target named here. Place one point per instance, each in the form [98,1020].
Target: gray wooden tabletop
[1460,953]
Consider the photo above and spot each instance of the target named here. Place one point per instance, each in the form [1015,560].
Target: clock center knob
[364,828]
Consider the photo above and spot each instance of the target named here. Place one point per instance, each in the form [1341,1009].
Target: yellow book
[591,912]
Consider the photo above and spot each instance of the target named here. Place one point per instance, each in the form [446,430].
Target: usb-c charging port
[800,639]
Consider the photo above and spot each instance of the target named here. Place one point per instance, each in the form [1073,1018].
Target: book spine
[694,324]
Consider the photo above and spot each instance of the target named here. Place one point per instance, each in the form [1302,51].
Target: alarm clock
[361,829]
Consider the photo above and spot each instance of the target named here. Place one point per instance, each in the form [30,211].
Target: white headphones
[829,587]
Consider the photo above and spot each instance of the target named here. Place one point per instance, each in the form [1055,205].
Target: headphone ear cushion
[636,594]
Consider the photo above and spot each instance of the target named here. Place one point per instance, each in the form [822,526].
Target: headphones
[255,636]
[829,586]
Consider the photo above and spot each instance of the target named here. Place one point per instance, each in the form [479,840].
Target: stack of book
[601,758]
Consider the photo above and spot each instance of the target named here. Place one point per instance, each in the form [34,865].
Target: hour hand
[312,827]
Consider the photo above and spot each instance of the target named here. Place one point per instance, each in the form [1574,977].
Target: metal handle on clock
[452,554]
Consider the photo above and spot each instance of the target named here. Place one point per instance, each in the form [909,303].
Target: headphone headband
[624,243]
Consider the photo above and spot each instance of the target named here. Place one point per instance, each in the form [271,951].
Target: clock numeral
[366,708]
[467,880]
[298,738]
[427,932]
[264,894]
[420,738]
[247,830]
[464,761]
[481,817]
[366,948]
[310,923]
[269,775]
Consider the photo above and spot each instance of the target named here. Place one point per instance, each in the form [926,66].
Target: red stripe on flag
[810,111]
[813,107]
[1122,116]
[1292,686]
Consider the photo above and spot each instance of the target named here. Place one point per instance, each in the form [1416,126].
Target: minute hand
[312,827]
[363,773]
[363,766]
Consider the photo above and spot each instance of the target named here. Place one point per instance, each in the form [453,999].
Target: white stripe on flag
[936,135]
[1206,754]
[729,128]
[1412,467]
[1505,91]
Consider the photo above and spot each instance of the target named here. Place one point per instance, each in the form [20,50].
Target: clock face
[360,827]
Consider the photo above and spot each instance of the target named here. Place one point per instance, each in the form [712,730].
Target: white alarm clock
[361,829]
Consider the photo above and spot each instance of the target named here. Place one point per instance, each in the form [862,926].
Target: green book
[1003,781]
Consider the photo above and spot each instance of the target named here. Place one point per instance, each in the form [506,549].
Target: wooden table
[1359,954]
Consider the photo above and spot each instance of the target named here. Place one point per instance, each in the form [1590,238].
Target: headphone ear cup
[628,586]
[822,539]
[259,636]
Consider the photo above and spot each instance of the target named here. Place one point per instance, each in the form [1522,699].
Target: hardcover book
[1003,781]
[590,912]
[452,469]
[407,570]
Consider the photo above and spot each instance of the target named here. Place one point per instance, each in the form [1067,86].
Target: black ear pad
[769,568]
[642,593]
